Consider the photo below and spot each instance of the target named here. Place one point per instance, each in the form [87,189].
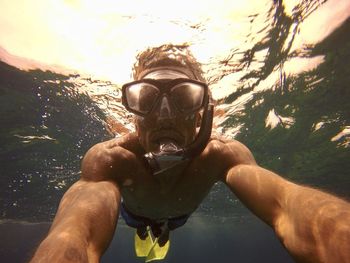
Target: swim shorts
[140,221]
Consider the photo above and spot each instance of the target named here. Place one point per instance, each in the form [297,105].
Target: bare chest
[170,193]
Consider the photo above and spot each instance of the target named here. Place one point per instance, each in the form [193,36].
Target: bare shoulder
[105,160]
[222,154]
[228,152]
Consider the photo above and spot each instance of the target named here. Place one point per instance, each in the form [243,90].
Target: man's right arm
[84,224]
[88,212]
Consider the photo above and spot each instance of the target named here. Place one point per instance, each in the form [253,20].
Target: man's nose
[165,110]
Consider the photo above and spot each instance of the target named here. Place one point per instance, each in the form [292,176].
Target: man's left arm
[314,226]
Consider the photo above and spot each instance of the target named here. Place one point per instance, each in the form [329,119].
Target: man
[165,169]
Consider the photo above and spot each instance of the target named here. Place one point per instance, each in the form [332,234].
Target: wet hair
[168,55]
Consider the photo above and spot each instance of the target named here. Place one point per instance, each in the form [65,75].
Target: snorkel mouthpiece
[170,154]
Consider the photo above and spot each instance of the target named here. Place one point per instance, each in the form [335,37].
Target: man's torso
[170,194]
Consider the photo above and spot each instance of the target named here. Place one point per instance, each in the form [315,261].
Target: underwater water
[296,124]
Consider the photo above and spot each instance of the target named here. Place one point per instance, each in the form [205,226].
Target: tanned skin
[312,225]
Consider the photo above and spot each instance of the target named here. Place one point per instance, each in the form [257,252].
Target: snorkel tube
[169,154]
[201,141]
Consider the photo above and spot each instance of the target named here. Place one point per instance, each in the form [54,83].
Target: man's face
[165,122]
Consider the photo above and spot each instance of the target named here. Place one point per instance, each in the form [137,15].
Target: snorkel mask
[188,96]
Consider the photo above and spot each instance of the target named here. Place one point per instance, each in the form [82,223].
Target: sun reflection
[102,37]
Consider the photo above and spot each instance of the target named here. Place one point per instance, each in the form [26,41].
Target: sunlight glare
[101,37]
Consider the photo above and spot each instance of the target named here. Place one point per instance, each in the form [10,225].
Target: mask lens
[141,97]
[187,96]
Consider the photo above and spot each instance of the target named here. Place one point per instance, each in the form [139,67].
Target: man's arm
[84,224]
[313,226]
[88,212]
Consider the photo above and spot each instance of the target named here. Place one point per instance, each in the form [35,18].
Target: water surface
[287,101]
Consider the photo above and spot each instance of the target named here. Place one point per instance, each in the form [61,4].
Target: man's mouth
[167,136]
[169,146]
